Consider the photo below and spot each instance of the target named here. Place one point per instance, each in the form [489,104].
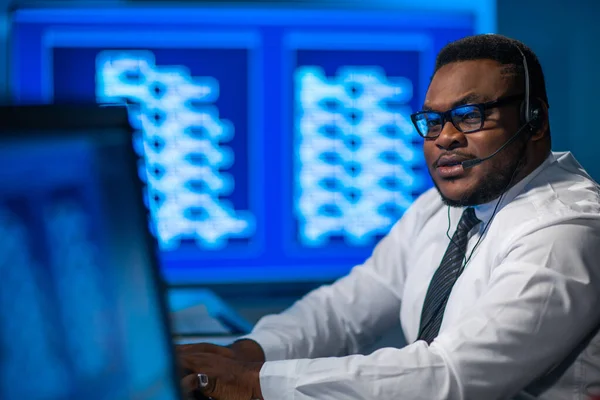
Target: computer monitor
[277,140]
[82,313]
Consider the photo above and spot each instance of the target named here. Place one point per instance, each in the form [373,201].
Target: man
[495,273]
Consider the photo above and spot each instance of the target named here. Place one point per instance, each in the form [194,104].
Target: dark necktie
[444,278]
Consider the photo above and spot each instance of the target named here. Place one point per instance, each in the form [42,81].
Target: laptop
[82,305]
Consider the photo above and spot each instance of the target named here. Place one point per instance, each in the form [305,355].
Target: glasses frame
[446,116]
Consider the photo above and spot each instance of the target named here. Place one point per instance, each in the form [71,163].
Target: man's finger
[189,363]
[205,348]
[191,384]
[197,363]
[189,387]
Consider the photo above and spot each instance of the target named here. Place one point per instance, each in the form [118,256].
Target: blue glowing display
[77,291]
[19,293]
[354,154]
[72,251]
[182,138]
[277,143]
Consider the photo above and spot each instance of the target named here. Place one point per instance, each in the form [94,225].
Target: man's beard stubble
[494,185]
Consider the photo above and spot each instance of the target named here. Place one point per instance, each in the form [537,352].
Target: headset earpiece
[531,109]
[536,118]
[535,114]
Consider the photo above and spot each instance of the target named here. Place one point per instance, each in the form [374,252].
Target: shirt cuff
[270,343]
[278,379]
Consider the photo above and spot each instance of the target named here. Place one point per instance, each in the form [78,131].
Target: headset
[531,110]
[530,114]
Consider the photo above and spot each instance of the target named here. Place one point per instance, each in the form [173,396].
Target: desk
[199,315]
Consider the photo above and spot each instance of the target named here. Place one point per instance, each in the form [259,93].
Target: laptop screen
[81,307]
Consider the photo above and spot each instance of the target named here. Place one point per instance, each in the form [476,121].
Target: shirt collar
[485,211]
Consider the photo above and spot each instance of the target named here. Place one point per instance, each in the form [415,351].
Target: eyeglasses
[467,118]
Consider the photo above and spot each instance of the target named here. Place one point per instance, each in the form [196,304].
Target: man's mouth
[450,167]
[450,171]
[449,163]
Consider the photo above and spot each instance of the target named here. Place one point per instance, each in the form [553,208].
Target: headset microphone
[476,161]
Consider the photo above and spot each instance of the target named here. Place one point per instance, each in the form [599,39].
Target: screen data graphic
[354,154]
[183,141]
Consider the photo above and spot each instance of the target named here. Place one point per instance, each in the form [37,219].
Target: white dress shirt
[527,298]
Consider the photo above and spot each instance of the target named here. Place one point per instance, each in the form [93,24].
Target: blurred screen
[80,315]
[277,143]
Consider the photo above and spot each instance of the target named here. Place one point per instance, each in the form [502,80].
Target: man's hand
[190,350]
[228,379]
[241,350]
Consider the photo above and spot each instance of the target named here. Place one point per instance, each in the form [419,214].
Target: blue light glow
[354,153]
[76,257]
[182,140]
[20,295]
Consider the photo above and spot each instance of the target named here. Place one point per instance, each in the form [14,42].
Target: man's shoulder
[563,192]
[564,188]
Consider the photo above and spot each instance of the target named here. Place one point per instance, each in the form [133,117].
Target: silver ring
[202,381]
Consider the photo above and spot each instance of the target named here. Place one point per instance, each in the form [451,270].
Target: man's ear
[541,126]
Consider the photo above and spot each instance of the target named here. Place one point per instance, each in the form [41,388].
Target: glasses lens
[428,123]
[467,118]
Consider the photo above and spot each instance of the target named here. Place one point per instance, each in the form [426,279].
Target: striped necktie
[444,278]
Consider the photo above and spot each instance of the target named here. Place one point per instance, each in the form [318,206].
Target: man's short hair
[501,49]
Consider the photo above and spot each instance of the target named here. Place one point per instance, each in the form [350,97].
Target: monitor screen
[81,313]
[277,143]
